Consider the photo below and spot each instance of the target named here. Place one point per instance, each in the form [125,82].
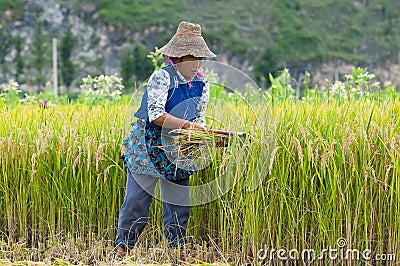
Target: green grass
[58,172]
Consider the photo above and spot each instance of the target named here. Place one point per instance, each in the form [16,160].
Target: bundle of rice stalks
[189,142]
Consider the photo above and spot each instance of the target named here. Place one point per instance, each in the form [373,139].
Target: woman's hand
[193,125]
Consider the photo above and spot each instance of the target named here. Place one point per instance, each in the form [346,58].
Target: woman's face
[189,65]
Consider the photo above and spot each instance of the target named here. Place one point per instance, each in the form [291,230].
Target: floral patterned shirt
[142,152]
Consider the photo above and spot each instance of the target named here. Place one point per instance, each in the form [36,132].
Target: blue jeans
[134,211]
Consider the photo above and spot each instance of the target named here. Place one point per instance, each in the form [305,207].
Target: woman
[176,97]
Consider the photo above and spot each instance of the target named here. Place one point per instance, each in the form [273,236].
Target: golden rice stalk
[188,141]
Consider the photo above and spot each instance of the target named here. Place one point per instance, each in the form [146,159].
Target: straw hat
[187,41]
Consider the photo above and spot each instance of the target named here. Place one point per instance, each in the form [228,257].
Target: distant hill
[296,31]
[264,36]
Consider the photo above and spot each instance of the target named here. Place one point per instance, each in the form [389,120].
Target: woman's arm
[157,93]
[170,121]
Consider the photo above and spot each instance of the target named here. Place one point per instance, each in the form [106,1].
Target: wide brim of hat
[182,45]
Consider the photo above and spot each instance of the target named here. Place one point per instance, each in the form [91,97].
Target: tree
[67,68]
[269,61]
[290,49]
[5,48]
[18,59]
[39,55]
[127,69]
[135,66]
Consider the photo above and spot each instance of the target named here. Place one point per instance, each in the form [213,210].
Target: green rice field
[318,174]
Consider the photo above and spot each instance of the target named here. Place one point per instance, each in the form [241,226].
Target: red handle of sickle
[222,132]
[230,133]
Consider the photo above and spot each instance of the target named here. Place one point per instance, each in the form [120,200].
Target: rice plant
[309,173]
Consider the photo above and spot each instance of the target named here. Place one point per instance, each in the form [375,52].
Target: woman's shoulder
[160,75]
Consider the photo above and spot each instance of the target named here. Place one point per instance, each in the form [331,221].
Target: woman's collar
[180,76]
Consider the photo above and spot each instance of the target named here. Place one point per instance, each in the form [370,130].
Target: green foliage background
[288,33]
[269,34]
